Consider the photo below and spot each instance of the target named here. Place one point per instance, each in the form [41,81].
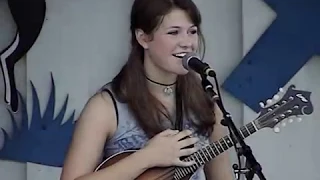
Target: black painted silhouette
[29,17]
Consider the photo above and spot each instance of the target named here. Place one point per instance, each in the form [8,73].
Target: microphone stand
[252,166]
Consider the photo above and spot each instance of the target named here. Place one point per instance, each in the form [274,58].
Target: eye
[173,32]
[194,31]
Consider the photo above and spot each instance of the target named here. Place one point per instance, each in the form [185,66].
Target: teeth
[180,55]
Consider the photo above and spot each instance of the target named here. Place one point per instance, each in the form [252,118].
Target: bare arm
[219,168]
[95,125]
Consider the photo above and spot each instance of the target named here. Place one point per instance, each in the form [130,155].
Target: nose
[185,42]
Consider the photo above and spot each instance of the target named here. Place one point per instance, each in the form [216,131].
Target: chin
[182,72]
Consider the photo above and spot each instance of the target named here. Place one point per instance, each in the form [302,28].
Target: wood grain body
[157,173]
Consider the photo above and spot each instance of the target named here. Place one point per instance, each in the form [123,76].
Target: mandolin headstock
[284,105]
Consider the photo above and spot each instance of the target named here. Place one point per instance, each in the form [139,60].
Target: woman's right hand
[166,148]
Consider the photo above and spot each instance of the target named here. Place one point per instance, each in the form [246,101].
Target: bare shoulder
[99,114]
[96,123]
[99,110]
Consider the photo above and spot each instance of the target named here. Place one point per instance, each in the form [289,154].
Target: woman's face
[174,37]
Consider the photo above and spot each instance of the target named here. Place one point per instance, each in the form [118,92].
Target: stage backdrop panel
[292,153]
[83,44]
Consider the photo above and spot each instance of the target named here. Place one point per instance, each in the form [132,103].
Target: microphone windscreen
[187,57]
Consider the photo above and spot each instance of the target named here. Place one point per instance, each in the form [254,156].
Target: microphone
[192,61]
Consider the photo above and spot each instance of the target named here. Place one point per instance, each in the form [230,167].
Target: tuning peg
[269,101]
[276,129]
[276,97]
[290,120]
[281,90]
[261,104]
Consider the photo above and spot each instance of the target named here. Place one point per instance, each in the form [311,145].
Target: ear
[142,38]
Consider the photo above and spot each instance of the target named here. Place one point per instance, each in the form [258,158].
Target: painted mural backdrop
[45,140]
[28,17]
[291,40]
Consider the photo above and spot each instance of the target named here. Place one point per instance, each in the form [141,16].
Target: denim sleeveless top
[130,136]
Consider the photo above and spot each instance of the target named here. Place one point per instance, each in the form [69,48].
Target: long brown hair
[130,84]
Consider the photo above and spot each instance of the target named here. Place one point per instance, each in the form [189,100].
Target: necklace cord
[162,84]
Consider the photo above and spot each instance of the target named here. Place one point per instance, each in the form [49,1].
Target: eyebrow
[171,27]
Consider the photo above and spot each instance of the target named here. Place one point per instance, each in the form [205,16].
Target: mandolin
[284,105]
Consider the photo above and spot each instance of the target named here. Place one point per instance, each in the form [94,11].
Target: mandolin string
[265,123]
[271,112]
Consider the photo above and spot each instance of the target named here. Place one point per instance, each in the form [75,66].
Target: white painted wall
[94,36]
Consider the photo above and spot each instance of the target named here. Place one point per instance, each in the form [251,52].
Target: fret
[229,141]
[209,154]
[223,143]
[205,155]
[215,150]
[251,128]
[213,154]
[246,128]
[175,177]
[212,150]
[244,131]
[201,156]
[198,161]
[187,170]
[178,172]
[183,171]
[193,167]
[255,126]
[219,147]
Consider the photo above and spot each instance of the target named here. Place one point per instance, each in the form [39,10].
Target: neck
[157,79]
[159,88]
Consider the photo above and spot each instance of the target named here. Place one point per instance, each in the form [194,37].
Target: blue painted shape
[46,140]
[291,40]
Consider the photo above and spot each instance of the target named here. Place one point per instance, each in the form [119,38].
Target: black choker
[167,90]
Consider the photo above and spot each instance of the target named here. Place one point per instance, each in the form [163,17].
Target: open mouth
[179,55]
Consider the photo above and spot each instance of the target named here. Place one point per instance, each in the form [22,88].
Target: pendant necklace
[167,90]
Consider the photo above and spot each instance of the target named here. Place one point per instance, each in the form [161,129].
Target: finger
[180,163]
[187,152]
[187,142]
[168,132]
[183,134]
